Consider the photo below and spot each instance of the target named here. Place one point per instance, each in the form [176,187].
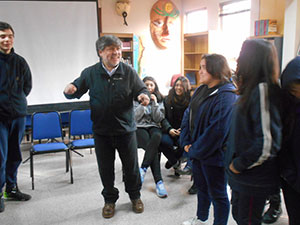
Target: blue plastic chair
[46,128]
[80,126]
[64,121]
[28,127]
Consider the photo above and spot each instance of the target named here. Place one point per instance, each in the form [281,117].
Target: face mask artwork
[163,16]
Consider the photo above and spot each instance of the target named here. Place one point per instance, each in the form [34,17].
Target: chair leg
[31,171]
[77,152]
[26,160]
[70,164]
[67,160]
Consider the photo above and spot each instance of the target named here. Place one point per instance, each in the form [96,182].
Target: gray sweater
[150,115]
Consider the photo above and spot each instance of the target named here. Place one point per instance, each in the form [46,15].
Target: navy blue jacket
[290,153]
[111,98]
[253,144]
[211,126]
[15,85]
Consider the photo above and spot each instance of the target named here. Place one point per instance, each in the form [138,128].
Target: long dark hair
[217,67]
[185,98]
[257,63]
[156,92]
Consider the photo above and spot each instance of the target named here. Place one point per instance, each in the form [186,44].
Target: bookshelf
[277,40]
[195,45]
[130,47]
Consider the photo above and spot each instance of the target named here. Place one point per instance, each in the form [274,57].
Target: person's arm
[165,124]
[261,144]
[143,99]
[212,138]
[185,129]
[70,89]
[139,111]
[140,92]
[157,111]
[78,87]
[27,79]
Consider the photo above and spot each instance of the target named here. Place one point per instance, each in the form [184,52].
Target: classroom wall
[161,64]
[291,38]
[212,7]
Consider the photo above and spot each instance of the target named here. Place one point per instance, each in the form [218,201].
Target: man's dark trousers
[126,145]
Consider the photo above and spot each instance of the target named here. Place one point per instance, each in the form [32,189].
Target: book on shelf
[192,77]
[265,27]
[126,45]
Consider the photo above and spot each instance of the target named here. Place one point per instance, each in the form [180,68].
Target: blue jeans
[11,135]
[212,188]
[166,146]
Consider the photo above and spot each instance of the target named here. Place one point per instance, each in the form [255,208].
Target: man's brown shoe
[108,210]
[137,205]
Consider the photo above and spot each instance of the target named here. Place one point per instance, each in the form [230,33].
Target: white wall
[291,40]
[57,39]
[161,64]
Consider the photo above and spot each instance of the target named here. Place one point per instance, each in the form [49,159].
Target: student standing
[205,126]
[112,87]
[15,86]
[255,135]
[148,120]
[290,153]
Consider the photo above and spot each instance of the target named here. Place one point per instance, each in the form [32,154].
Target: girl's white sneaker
[194,221]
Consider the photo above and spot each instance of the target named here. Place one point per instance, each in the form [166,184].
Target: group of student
[244,133]
[158,127]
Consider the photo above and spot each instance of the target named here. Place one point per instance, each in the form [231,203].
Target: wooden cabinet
[130,50]
[195,45]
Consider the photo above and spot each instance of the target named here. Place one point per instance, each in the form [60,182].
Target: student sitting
[175,104]
[148,119]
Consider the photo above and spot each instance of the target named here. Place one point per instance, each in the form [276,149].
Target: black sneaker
[168,165]
[272,215]
[193,190]
[185,171]
[2,207]
[15,194]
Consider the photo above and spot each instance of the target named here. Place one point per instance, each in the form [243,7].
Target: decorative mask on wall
[123,8]
[162,17]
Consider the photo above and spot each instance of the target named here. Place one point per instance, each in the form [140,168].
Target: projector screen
[57,39]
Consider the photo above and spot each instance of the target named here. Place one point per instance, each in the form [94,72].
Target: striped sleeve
[265,125]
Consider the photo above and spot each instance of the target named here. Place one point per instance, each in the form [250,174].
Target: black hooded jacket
[290,153]
[111,97]
[15,85]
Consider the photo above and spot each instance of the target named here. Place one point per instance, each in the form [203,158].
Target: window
[235,26]
[196,21]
